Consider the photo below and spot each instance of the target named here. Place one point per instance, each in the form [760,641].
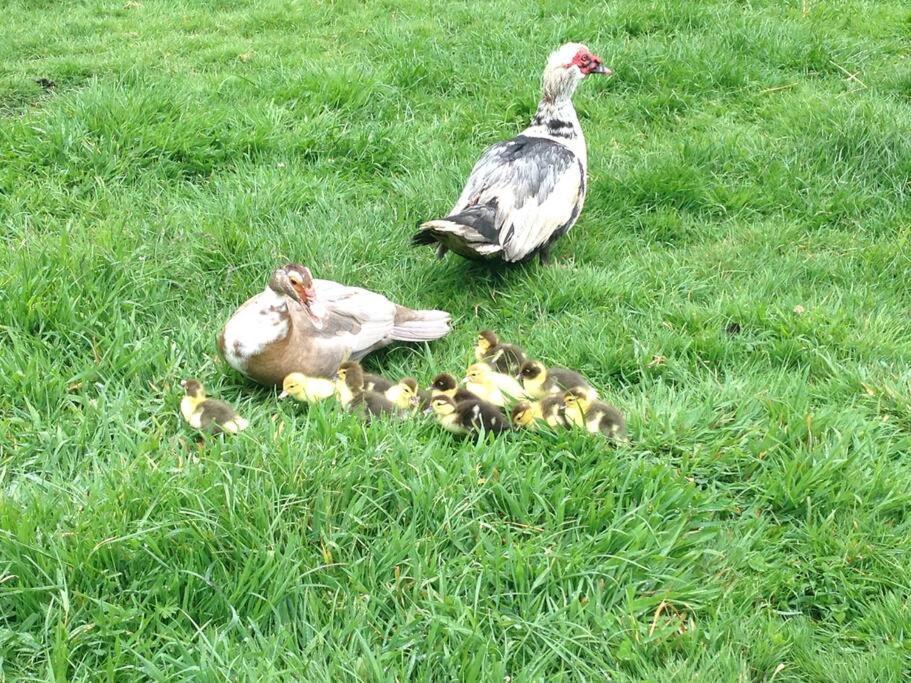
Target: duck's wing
[358,318]
[522,194]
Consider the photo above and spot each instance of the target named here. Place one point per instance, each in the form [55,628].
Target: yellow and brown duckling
[506,358]
[539,381]
[350,392]
[208,414]
[549,410]
[405,394]
[300,387]
[467,417]
[447,385]
[492,386]
[597,417]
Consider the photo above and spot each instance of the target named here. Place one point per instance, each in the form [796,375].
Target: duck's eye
[585,59]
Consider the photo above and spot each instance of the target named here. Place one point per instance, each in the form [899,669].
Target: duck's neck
[556,116]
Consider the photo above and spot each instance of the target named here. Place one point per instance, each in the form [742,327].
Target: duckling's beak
[464,380]
[414,400]
[284,394]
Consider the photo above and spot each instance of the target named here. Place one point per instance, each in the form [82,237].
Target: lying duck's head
[295,282]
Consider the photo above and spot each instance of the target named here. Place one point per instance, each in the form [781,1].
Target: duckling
[467,417]
[350,391]
[376,383]
[207,414]
[349,382]
[501,357]
[300,387]
[593,416]
[538,381]
[548,410]
[404,394]
[446,385]
[371,404]
[490,385]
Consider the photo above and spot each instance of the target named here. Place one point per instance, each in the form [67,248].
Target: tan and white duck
[300,324]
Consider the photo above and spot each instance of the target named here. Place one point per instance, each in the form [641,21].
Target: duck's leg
[544,256]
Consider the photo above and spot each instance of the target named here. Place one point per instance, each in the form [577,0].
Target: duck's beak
[603,70]
[284,394]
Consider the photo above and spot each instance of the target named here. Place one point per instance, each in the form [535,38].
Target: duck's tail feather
[415,326]
[472,230]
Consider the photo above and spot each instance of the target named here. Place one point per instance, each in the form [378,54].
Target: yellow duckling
[538,381]
[405,394]
[300,387]
[208,414]
[594,416]
[468,416]
[549,410]
[501,357]
[492,386]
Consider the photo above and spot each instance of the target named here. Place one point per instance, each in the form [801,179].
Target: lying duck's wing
[535,187]
[358,318]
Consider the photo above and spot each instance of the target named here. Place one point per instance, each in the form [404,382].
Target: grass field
[739,284]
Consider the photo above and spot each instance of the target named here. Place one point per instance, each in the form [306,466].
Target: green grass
[747,159]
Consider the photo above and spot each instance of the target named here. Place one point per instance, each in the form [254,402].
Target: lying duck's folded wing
[357,317]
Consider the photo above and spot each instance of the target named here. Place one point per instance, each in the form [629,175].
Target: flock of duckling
[503,377]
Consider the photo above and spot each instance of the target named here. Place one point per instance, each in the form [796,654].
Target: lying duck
[298,324]
[207,414]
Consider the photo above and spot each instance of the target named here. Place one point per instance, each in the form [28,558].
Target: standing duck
[525,193]
[299,324]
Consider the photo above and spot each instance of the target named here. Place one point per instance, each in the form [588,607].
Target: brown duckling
[538,380]
[208,414]
[404,394]
[548,410]
[350,392]
[468,417]
[506,358]
[447,385]
[594,416]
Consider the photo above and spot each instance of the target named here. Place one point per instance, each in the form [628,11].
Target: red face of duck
[590,63]
[296,282]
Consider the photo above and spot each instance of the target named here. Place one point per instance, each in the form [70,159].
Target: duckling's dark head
[531,369]
[192,387]
[444,382]
[577,396]
[487,339]
[352,374]
[411,383]
[521,413]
